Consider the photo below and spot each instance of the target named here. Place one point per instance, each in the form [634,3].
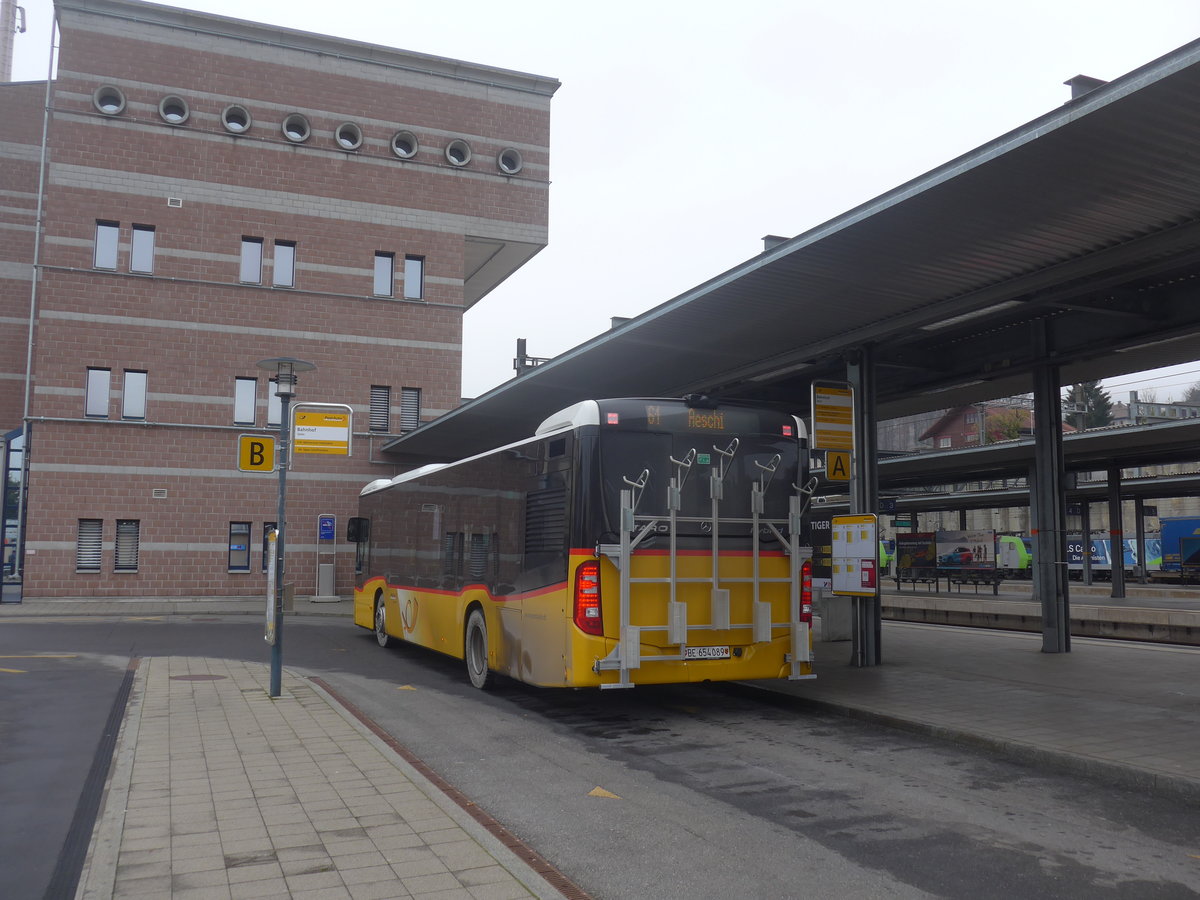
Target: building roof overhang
[1070,241]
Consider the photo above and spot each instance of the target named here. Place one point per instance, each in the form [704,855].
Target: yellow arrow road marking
[14,671]
[405,687]
[601,792]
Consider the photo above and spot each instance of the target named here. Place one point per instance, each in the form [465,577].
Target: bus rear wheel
[381,634]
[475,649]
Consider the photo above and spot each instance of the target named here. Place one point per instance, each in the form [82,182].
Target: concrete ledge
[1171,626]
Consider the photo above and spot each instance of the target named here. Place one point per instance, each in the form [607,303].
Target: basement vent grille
[175,202]
[159,493]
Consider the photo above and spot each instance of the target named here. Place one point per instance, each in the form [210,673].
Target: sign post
[286,370]
[326,588]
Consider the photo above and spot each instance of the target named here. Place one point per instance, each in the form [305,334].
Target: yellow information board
[833,416]
[855,541]
[321,432]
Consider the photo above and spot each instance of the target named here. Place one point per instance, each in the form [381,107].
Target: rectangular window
[452,553]
[245,394]
[283,267]
[477,565]
[943,442]
[381,404]
[141,252]
[414,277]
[385,273]
[266,545]
[274,406]
[251,268]
[239,546]
[95,403]
[88,544]
[106,245]
[126,550]
[133,395]
[410,408]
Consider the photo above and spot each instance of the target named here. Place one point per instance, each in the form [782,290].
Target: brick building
[215,193]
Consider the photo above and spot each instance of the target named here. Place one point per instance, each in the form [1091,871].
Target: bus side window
[358,530]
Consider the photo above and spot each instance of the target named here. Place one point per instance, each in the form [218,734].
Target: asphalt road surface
[676,792]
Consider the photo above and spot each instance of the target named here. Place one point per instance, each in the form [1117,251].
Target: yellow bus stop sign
[837,465]
[256,453]
[321,431]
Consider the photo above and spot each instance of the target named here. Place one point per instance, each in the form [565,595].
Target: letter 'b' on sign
[256,453]
[837,465]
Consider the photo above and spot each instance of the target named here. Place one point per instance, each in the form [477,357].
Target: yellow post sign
[833,416]
[318,431]
[256,453]
[837,465]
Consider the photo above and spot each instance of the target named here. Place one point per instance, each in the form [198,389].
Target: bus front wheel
[381,634]
[475,649]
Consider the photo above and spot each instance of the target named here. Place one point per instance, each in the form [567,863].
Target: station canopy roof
[1082,225]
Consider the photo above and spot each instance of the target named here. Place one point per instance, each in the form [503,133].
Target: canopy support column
[864,496]
[1116,533]
[1047,501]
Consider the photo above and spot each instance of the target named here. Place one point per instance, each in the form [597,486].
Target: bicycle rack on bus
[626,655]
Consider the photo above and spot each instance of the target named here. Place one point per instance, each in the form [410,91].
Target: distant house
[1150,412]
[978,423]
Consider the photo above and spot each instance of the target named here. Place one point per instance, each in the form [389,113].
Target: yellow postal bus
[627,542]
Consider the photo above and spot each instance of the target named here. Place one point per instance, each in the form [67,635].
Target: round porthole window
[458,152]
[510,161]
[174,110]
[296,129]
[109,100]
[404,144]
[348,136]
[236,119]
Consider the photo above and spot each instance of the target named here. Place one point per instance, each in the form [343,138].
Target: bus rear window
[645,458]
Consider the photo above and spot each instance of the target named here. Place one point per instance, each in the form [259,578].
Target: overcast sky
[685,130]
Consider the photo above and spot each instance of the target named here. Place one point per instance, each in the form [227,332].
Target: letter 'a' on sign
[256,453]
[837,465]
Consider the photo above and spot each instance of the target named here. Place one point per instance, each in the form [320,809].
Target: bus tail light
[588,617]
[806,592]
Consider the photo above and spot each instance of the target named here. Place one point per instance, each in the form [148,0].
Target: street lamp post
[286,369]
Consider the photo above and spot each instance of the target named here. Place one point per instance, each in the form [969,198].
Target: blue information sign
[325,528]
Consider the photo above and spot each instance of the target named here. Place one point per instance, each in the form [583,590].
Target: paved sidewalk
[170,606]
[218,791]
[1126,712]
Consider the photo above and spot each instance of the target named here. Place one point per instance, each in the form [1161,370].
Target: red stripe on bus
[590,553]
[502,598]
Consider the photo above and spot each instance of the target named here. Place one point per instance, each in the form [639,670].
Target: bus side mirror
[358,530]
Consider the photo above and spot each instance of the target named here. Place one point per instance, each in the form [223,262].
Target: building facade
[214,193]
